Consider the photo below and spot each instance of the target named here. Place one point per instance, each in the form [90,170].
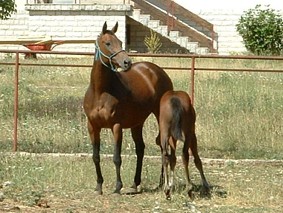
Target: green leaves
[262,31]
[7,7]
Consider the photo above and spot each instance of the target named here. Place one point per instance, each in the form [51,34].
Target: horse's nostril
[128,62]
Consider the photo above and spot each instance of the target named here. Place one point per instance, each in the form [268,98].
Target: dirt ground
[254,186]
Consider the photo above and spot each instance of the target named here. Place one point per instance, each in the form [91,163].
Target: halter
[99,54]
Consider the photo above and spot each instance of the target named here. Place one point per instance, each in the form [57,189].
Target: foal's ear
[104,28]
[114,29]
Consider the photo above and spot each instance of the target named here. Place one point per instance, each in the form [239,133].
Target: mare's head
[109,50]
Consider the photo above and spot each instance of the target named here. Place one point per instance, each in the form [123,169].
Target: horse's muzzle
[127,64]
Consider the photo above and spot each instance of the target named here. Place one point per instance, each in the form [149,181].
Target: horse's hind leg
[185,159]
[95,140]
[139,143]
[198,163]
[172,161]
[164,178]
[161,179]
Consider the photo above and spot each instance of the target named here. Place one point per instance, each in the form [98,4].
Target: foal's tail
[176,127]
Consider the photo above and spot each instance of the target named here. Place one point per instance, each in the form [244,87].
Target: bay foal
[177,122]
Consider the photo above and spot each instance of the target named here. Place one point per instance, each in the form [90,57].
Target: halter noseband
[99,54]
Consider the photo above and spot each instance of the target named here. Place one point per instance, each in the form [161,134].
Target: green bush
[7,7]
[262,31]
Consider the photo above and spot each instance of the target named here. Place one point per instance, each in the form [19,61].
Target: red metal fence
[192,70]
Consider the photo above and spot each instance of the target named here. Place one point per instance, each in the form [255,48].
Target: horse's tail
[176,125]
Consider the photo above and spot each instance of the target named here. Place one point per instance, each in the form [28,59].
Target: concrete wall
[86,23]
[64,22]
[224,15]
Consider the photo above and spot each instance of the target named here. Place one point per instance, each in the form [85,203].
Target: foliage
[152,42]
[7,7]
[262,31]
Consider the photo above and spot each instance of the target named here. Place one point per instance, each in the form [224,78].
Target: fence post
[193,79]
[16,103]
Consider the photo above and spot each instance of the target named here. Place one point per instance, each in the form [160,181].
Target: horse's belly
[105,118]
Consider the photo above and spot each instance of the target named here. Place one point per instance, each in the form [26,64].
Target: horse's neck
[100,78]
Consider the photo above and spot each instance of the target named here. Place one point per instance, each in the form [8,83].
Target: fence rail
[192,70]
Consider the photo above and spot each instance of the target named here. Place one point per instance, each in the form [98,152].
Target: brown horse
[119,100]
[177,122]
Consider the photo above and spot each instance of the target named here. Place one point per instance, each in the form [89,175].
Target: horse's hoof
[205,192]
[191,194]
[168,196]
[129,191]
[97,193]
[116,194]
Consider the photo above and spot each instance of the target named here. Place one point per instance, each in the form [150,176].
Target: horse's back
[181,96]
[177,114]
[147,80]
[150,72]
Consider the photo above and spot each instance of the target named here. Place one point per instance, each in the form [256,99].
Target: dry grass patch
[65,184]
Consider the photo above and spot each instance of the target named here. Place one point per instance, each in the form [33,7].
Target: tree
[262,31]
[7,7]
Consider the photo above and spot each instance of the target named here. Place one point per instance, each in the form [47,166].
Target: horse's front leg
[139,143]
[95,140]
[118,136]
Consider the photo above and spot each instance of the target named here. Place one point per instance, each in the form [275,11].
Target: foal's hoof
[168,195]
[191,194]
[167,192]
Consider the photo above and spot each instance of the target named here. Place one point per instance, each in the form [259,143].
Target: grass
[239,114]
[44,183]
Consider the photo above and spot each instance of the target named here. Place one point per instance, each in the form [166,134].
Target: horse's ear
[104,28]
[114,29]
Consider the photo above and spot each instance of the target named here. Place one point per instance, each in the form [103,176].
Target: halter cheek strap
[99,54]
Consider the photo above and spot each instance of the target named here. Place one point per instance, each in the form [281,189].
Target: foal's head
[109,50]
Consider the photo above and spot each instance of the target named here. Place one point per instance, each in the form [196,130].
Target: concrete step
[153,24]
[136,14]
[162,29]
[182,41]
[192,46]
[174,36]
[202,50]
[144,19]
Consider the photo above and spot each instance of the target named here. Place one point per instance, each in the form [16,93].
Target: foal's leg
[95,140]
[172,161]
[117,133]
[197,161]
[161,178]
[185,158]
[139,143]
[165,163]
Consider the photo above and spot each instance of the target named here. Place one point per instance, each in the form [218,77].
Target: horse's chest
[104,112]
